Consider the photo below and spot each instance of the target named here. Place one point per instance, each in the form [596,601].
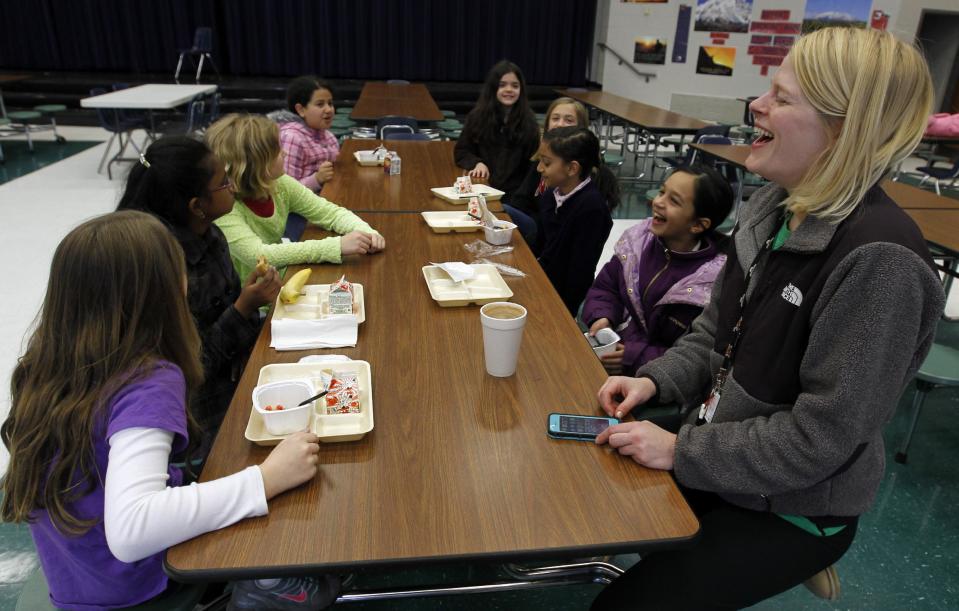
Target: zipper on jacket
[658,274]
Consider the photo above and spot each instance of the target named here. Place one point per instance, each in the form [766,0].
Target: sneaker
[288,593]
[824,584]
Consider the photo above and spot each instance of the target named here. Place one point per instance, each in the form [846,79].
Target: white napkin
[331,332]
[457,270]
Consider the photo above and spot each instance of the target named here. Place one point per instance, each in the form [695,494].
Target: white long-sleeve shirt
[142,516]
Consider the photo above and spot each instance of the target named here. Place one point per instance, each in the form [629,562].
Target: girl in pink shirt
[304,132]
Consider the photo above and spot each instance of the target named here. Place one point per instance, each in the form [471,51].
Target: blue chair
[706,132]
[938,174]
[121,129]
[295,226]
[396,123]
[939,369]
[193,123]
[202,46]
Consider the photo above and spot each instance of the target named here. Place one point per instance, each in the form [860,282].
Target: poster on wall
[649,50]
[825,13]
[681,41]
[717,61]
[723,15]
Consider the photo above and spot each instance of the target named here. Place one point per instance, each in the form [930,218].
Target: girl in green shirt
[249,145]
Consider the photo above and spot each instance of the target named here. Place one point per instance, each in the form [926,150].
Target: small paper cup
[607,339]
[500,233]
[288,393]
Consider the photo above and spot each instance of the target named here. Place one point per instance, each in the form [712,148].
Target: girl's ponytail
[174,170]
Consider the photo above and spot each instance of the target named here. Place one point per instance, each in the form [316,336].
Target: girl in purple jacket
[662,272]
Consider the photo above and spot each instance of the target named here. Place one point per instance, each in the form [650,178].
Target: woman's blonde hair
[247,145]
[115,309]
[874,94]
[582,117]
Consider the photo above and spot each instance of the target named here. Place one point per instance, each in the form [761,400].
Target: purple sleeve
[156,401]
[603,298]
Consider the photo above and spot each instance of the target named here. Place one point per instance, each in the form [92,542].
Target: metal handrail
[623,60]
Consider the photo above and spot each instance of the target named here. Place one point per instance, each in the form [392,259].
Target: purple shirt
[81,572]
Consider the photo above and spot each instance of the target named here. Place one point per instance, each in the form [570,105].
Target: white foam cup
[503,324]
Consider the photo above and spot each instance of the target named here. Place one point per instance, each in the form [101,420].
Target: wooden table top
[911,198]
[906,196]
[458,466]
[940,227]
[650,118]
[379,99]
[733,153]
[368,189]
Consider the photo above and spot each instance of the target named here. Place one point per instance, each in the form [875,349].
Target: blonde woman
[826,306]
[249,145]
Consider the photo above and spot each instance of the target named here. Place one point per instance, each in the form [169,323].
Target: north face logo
[792,295]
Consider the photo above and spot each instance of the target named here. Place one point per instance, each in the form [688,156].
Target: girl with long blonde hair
[249,146]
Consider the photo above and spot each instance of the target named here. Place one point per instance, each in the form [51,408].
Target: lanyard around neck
[729,354]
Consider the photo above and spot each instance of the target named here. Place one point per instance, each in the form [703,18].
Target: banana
[290,292]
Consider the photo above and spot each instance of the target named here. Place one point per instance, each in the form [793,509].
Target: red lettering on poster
[767,60]
[773,27]
[764,71]
[760,40]
[774,15]
[784,41]
[716,35]
[761,50]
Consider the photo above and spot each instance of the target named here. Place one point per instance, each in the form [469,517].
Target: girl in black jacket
[500,134]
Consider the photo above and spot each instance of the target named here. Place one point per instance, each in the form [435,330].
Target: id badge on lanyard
[708,408]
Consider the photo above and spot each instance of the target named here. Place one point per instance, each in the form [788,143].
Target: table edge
[628,547]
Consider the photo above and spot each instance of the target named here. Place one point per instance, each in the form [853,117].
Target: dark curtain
[436,40]
[99,35]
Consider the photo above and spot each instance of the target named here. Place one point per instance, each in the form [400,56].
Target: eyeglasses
[227,184]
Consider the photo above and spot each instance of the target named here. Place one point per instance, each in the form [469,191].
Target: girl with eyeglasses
[181,182]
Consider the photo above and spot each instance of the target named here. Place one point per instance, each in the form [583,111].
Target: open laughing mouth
[763,137]
[658,219]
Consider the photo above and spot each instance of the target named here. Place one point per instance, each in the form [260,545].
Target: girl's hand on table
[356,243]
[378,242]
[479,171]
[291,463]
